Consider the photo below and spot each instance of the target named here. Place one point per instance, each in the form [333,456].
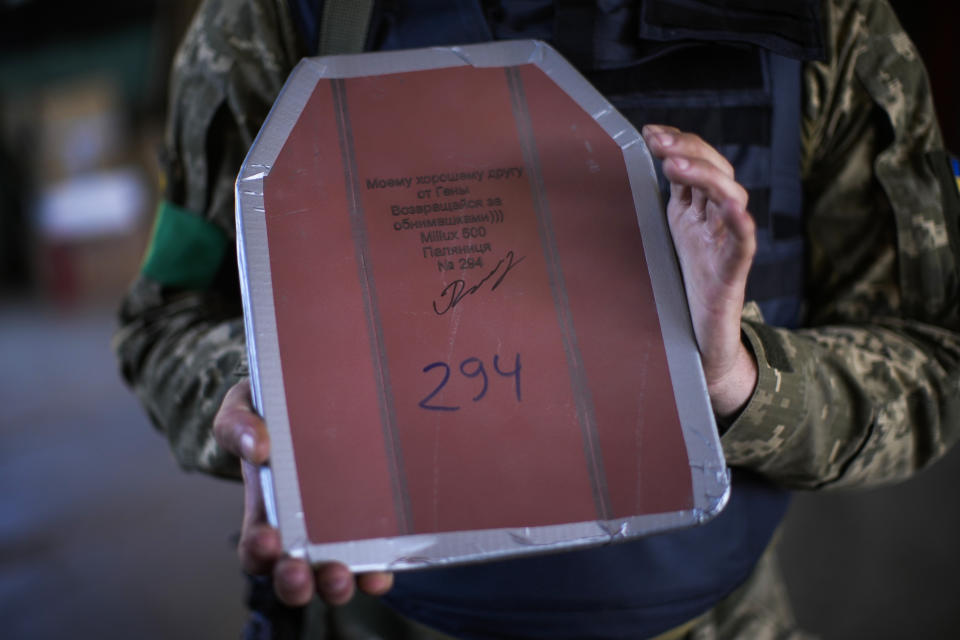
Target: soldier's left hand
[715,239]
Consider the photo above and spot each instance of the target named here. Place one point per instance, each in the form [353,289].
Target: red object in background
[62,276]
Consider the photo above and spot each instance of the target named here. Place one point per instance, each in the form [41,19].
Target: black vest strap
[777,280]
[787,27]
[786,196]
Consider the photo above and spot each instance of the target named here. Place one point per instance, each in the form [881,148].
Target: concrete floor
[101,536]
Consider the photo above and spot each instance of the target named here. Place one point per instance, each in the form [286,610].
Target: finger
[669,142]
[254,509]
[293,581]
[376,583]
[259,549]
[699,201]
[680,194]
[666,142]
[740,222]
[732,231]
[719,186]
[260,546]
[335,583]
[238,428]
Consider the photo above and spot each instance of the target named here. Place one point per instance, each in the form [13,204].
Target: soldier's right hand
[239,430]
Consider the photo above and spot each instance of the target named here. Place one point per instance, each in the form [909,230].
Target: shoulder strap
[329,27]
[344,26]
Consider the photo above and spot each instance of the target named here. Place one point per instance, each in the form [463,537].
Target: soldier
[841,370]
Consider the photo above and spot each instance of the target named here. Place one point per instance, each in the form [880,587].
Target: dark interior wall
[933,27]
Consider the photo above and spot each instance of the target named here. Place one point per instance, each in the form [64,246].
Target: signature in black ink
[457,290]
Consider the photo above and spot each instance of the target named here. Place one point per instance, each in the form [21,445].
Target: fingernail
[682,163]
[295,576]
[336,585]
[247,445]
[665,139]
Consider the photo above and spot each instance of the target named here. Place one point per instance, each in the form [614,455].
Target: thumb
[237,427]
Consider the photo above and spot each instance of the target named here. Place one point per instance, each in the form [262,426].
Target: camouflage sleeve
[870,390]
[181,341]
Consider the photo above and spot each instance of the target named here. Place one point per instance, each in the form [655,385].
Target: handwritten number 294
[471,368]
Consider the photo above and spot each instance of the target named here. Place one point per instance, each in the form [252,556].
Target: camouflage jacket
[868,392]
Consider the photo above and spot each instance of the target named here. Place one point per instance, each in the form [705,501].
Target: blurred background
[101,535]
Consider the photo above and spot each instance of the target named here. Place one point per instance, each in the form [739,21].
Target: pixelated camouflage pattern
[868,392]
[758,610]
[182,350]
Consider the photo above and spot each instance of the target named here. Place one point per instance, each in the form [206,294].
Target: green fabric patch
[185,250]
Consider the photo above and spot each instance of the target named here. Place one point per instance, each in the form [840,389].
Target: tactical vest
[733,77]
